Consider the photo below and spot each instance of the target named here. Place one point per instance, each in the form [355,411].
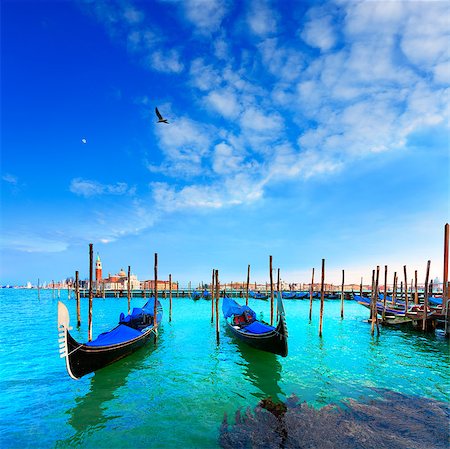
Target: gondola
[242,322]
[289,295]
[205,294]
[390,311]
[132,332]
[257,295]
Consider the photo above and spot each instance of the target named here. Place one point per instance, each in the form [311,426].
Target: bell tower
[98,269]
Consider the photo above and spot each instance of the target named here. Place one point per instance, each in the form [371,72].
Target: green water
[175,394]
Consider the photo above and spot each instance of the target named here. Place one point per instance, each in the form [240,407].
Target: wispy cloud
[33,243]
[10,179]
[166,62]
[88,188]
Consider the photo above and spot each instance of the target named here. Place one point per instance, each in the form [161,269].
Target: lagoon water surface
[175,394]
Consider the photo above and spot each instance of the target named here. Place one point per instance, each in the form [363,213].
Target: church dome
[122,273]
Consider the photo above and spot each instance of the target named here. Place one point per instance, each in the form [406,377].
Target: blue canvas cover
[230,307]
[258,328]
[435,300]
[119,334]
[137,312]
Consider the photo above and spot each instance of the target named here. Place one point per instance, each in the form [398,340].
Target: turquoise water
[175,394]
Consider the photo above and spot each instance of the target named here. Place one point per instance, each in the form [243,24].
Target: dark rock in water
[278,409]
[395,421]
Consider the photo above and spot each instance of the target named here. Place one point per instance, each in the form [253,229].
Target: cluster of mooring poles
[403,306]
[91,293]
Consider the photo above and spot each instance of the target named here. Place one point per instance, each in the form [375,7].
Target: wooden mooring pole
[217,305]
[416,291]
[322,297]
[445,274]
[129,289]
[406,288]
[375,300]
[91,264]
[213,294]
[372,288]
[342,295]
[77,297]
[248,285]
[311,292]
[383,316]
[155,306]
[271,290]
[394,288]
[170,298]
[425,299]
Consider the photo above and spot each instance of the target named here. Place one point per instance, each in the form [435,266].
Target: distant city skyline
[301,130]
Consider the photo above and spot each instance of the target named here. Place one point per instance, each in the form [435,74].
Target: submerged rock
[394,421]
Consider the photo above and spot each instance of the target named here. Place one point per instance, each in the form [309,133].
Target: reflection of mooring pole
[322,297]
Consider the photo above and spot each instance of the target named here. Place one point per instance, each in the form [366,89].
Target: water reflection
[262,369]
[90,412]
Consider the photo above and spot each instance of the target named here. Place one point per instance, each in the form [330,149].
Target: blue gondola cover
[119,334]
[258,328]
[230,307]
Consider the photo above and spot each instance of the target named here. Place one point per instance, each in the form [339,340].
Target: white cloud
[88,188]
[257,120]
[319,33]
[185,143]
[203,76]
[168,62]
[261,19]
[224,102]
[226,160]
[206,15]
[284,63]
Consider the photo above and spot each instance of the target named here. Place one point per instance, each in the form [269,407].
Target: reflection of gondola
[256,333]
[90,409]
[263,370]
[132,332]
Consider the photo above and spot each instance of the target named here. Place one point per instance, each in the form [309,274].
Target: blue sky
[301,130]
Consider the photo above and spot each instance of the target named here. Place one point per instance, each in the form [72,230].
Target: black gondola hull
[274,342]
[83,359]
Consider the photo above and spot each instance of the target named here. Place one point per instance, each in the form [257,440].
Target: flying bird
[160,117]
[83,141]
